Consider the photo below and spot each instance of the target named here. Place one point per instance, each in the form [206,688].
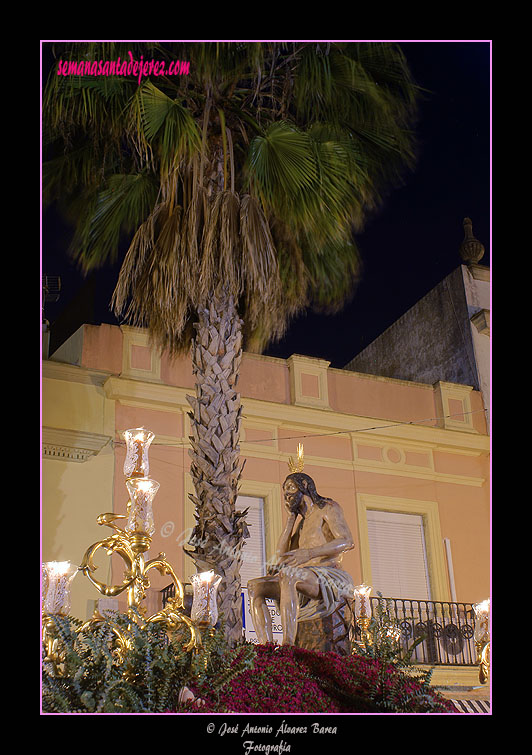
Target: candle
[482,613]
[142,491]
[362,601]
[58,576]
[204,606]
[138,441]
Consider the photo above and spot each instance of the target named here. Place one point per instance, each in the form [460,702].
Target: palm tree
[239,188]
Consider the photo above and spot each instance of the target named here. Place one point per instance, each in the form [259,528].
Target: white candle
[142,491]
[138,441]
[204,606]
[362,601]
[58,576]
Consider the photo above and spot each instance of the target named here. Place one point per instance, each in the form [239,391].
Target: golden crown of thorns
[297,466]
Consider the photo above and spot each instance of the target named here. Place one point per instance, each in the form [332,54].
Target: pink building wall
[436,463]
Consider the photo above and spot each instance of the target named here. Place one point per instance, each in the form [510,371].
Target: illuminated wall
[370,443]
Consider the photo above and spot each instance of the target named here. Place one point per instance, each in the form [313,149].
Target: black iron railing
[166,593]
[169,592]
[445,630]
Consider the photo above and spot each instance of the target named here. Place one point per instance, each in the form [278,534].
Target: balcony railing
[447,628]
[169,592]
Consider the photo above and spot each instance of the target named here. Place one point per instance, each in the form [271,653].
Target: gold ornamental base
[363,623]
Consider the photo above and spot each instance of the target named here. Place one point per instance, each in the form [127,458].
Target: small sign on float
[249,630]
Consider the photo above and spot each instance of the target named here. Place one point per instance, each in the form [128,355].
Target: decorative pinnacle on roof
[471,250]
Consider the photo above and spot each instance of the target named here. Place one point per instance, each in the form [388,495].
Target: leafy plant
[155,668]
[394,657]
[150,677]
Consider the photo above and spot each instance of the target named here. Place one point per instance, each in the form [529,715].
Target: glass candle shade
[57,578]
[137,444]
[362,601]
[204,606]
[482,615]
[141,491]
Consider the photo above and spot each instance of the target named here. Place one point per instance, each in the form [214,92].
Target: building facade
[445,335]
[407,461]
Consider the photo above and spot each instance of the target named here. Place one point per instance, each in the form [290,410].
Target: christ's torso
[313,532]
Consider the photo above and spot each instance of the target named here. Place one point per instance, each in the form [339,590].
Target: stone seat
[328,634]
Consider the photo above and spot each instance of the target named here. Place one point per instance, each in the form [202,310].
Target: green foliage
[246,679]
[385,647]
[149,680]
[218,667]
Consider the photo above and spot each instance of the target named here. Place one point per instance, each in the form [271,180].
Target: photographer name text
[250,746]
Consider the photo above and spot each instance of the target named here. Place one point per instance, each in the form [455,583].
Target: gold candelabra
[130,543]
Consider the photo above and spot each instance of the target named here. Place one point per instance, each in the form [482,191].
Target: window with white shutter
[254,551]
[398,555]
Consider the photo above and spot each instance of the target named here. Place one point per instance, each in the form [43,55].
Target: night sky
[406,249]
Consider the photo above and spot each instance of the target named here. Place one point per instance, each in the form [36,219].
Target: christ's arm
[287,538]
[340,542]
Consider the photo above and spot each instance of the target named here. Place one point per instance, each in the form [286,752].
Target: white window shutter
[254,551]
[399,564]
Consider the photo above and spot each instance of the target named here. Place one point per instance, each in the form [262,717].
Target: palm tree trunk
[218,537]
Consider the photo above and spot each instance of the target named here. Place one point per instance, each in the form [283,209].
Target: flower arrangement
[379,677]
[158,675]
[289,679]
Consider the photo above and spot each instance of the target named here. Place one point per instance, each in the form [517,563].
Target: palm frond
[281,163]
[322,187]
[67,172]
[333,275]
[119,207]
[168,126]
[254,171]
[91,104]
[164,278]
